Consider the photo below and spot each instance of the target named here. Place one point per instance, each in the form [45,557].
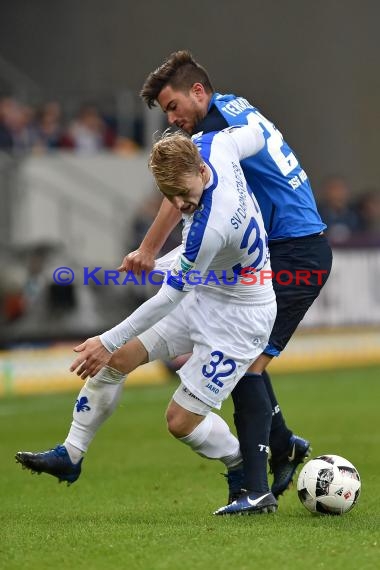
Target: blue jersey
[274,174]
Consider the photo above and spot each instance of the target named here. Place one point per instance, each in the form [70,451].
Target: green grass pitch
[144,501]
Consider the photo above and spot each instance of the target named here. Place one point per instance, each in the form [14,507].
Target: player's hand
[138,261]
[92,357]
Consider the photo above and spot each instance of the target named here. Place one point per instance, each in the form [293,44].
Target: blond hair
[173,157]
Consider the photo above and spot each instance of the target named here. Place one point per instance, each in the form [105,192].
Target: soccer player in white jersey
[224,322]
[182,88]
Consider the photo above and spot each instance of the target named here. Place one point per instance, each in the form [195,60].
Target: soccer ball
[329,485]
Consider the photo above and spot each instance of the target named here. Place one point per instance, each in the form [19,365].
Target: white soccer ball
[329,484]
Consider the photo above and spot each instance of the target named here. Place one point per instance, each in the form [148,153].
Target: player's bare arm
[143,258]
[92,357]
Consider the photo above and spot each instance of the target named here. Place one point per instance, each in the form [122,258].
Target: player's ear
[198,90]
[203,171]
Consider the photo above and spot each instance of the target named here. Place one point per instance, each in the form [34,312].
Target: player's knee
[176,424]
[179,424]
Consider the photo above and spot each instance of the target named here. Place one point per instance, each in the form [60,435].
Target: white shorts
[224,338]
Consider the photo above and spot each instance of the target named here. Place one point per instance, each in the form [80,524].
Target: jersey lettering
[275,141]
[209,370]
[237,106]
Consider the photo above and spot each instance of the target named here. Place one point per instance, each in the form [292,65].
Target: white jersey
[224,248]
[224,240]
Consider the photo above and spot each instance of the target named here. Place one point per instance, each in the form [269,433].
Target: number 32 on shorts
[211,370]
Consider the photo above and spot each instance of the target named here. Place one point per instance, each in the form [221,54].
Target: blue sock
[280,434]
[253,416]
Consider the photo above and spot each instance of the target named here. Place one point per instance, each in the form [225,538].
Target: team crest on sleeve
[182,266]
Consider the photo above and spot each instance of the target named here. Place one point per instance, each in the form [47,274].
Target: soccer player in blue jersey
[297,242]
[204,181]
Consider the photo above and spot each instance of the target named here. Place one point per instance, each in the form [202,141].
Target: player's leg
[95,404]
[252,405]
[302,259]
[279,433]
[176,333]
[203,431]
[210,375]
[189,418]
[101,394]
[252,419]
[287,450]
[311,254]
[193,423]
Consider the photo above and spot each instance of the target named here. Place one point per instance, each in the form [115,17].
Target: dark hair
[180,71]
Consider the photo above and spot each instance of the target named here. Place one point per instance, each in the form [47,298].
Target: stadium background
[313,68]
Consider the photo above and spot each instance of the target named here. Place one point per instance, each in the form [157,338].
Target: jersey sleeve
[248,139]
[199,251]
[170,294]
[148,314]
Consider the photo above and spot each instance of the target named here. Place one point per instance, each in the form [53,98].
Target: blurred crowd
[24,128]
[352,219]
[33,307]
[352,215]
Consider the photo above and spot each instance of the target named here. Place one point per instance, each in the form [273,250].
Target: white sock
[212,438]
[75,454]
[96,402]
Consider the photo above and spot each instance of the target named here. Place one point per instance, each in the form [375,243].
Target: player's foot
[55,462]
[250,504]
[235,483]
[284,466]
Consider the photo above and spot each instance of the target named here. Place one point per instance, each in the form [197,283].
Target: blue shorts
[301,267]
